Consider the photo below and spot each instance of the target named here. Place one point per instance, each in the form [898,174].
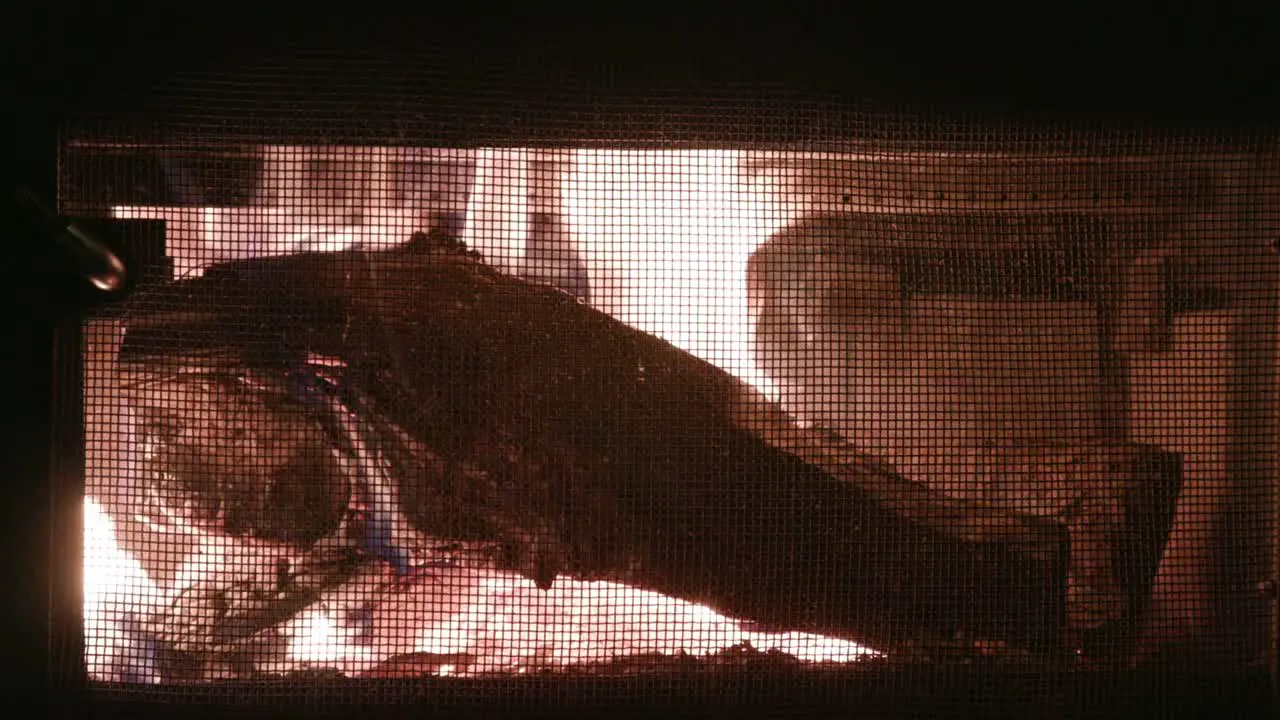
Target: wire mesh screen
[420,403]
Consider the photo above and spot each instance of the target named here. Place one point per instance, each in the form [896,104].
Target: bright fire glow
[666,236]
[199,237]
[509,625]
[117,592]
[498,622]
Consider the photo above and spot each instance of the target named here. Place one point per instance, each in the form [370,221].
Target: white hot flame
[117,593]
[665,237]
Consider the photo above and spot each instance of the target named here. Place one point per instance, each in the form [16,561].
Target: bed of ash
[468,621]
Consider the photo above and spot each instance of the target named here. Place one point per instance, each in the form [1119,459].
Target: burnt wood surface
[592,449]
[1117,500]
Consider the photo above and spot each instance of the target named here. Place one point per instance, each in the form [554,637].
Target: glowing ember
[511,626]
[491,621]
[117,592]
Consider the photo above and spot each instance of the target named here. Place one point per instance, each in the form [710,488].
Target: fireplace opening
[385,411]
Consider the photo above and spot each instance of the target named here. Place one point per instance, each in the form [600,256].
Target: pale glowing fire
[665,238]
[665,235]
[497,621]
[116,592]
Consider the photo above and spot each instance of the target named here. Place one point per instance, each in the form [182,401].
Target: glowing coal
[490,622]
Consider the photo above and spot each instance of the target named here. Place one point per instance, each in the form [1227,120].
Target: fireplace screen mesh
[444,405]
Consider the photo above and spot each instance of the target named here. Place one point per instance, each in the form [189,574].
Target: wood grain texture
[596,450]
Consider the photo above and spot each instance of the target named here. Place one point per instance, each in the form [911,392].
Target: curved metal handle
[93,260]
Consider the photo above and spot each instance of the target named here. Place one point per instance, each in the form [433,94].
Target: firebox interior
[386,411]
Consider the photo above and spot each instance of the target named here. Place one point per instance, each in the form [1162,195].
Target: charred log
[584,447]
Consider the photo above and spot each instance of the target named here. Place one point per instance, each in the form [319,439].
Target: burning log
[581,447]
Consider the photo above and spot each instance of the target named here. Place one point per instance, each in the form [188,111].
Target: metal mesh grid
[471,387]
